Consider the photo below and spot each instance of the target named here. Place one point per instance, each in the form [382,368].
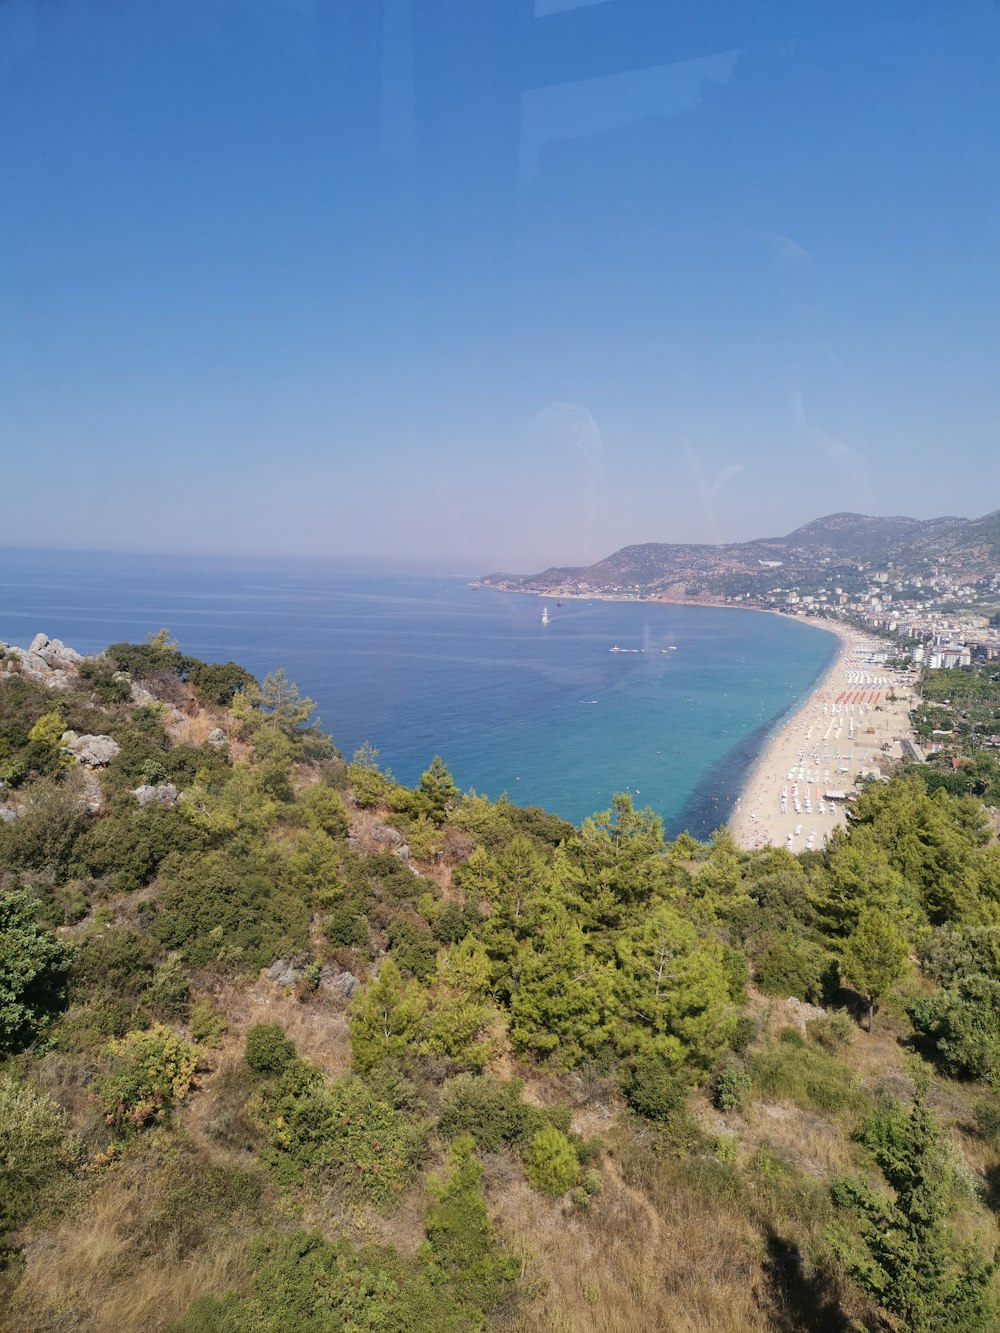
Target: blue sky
[493,283]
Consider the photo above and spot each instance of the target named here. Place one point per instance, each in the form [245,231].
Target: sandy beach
[857,713]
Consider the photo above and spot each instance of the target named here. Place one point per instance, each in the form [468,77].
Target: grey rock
[800,1012]
[218,739]
[139,694]
[56,654]
[6,816]
[92,796]
[343,985]
[404,853]
[94,751]
[384,835]
[147,794]
[38,643]
[283,973]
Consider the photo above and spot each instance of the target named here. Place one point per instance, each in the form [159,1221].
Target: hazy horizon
[480,285]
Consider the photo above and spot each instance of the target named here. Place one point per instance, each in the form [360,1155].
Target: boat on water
[545,615]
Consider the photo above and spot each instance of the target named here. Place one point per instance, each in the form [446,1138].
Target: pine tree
[904,1254]
[874,957]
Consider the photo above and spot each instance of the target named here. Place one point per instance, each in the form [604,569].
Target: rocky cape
[843,549]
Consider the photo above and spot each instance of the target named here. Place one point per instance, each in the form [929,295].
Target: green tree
[902,1251]
[438,788]
[34,966]
[874,957]
[672,990]
[550,1162]
[561,996]
[386,1018]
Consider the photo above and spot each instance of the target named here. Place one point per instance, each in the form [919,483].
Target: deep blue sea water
[421,666]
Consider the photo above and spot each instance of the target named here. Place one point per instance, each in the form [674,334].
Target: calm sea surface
[421,666]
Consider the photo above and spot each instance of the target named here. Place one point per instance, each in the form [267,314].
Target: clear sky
[493,284]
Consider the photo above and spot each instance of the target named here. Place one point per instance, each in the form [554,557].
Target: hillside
[840,548]
[286,1045]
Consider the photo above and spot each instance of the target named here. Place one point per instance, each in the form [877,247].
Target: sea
[421,666]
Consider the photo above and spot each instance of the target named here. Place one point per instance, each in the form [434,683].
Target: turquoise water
[421,666]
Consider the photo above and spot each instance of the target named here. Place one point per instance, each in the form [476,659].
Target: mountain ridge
[844,544]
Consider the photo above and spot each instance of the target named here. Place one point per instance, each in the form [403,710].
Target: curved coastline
[855,712]
[857,717]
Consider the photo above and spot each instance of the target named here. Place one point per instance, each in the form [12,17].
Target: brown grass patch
[96,1271]
[626,1265]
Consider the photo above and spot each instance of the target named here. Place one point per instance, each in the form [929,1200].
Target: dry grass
[96,1271]
[318,1027]
[625,1265]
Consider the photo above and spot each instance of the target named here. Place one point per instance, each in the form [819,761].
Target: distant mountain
[841,549]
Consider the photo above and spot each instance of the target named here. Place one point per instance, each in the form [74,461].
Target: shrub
[460,1245]
[207,1022]
[550,1162]
[268,1051]
[986,1114]
[216,908]
[833,1031]
[155,1069]
[36,1151]
[491,1110]
[794,966]
[652,1087]
[961,1026]
[731,1090]
[804,1074]
[33,970]
[346,928]
[303,1282]
[340,1131]
[743,1034]
[169,995]
[413,947]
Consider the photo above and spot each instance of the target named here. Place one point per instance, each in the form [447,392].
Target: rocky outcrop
[800,1012]
[217,739]
[93,751]
[341,985]
[45,661]
[164,794]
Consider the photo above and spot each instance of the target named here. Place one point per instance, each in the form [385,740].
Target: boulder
[283,972]
[7,816]
[384,835]
[38,643]
[342,985]
[218,739]
[94,751]
[56,654]
[800,1012]
[164,794]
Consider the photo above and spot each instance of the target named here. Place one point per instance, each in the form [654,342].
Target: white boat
[545,615]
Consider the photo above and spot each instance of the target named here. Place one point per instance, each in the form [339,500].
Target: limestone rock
[341,984]
[217,739]
[92,795]
[7,816]
[800,1012]
[94,751]
[284,972]
[164,794]
[38,643]
[384,835]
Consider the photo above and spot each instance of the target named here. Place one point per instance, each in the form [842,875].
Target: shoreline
[855,714]
[849,724]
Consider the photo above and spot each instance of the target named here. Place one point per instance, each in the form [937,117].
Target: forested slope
[284,1044]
